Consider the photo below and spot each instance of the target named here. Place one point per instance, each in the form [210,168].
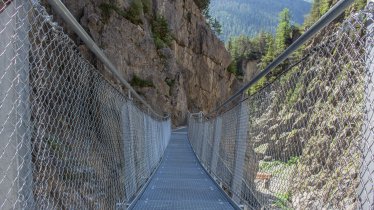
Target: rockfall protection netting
[305,141]
[68,138]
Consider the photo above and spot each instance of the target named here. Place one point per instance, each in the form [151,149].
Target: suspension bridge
[71,139]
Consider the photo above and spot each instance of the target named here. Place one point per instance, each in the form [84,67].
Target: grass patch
[138,82]
[133,14]
[135,11]
[293,160]
[277,167]
[282,200]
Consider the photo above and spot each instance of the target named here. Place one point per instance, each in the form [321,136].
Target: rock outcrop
[189,74]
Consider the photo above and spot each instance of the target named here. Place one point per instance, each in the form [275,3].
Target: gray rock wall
[195,63]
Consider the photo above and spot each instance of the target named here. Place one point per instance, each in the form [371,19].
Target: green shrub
[138,82]
[159,43]
[133,14]
[161,33]
[233,67]
[106,10]
[147,6]
[135,11]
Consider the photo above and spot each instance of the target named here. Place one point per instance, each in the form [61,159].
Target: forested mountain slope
[250,17]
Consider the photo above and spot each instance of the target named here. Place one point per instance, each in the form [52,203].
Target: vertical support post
[15,133]
[365,190]
[200,136]
[204,142]
[128,138]
[147,145]
[240,150]
[216,143]
[154,143]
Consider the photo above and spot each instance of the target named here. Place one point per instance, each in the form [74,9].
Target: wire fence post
[204,143]
[147,145]
[216,142]
[200,137]
[240,149]
[366,192]
[15,136]
[128,138]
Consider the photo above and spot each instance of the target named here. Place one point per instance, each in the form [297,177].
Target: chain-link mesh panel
[68,138]
[304,141]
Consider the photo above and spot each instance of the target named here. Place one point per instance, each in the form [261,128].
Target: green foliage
[267,166]
[271,166]
[147,6]
[246,48]
[233,68]
[320,7]
[133,14]
[282,200]
[293,160]
[214,24]
[283,34]
[265,47]
[324,6]
[202,4]
[314,14]
[257,86]
[276,45]
[135,11]
[293,94]
[359,4]
[161,33]
[106,10]
[270,52]
[138,82]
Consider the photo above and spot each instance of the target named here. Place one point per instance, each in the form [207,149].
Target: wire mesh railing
[304,140]
[68,138]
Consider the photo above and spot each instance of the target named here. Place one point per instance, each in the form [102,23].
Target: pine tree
[283,33]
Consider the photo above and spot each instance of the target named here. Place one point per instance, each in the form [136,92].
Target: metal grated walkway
[181,183]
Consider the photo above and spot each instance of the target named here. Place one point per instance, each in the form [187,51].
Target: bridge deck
[181,183]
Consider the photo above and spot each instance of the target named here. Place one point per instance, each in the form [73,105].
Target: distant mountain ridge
[250,17]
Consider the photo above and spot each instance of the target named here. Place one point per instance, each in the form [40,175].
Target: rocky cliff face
[189,74]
